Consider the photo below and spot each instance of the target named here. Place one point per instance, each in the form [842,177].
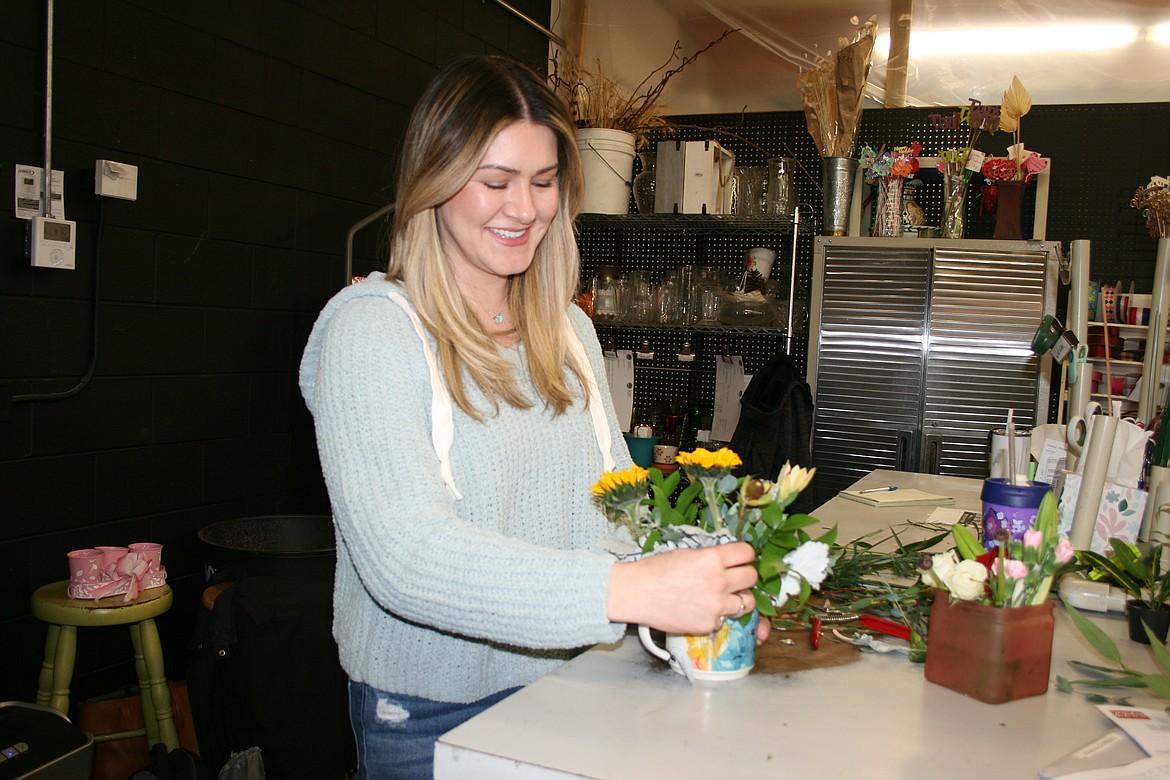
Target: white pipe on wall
[46,188]
[1079,394]
[1156,335]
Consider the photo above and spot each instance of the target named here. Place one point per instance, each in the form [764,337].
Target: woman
[460,426]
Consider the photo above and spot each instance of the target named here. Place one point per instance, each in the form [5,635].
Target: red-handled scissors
[885,626]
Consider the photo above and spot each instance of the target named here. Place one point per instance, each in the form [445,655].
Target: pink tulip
[1033,538]
[1064,551]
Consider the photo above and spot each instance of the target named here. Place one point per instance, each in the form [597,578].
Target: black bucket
[271,546]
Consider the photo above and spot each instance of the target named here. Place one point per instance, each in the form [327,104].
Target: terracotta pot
[989,653]
[1136,612]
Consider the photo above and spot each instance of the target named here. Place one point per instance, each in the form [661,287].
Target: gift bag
[1119,514]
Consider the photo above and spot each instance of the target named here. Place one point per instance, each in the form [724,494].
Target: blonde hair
[458,116]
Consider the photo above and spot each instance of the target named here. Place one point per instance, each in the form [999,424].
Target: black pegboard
[1101,154]
[659,244]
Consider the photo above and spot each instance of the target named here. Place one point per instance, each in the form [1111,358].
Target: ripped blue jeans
[396,734]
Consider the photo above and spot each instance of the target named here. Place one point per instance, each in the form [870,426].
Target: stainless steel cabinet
[918,347]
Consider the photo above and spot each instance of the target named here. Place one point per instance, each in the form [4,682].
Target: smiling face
[490,228]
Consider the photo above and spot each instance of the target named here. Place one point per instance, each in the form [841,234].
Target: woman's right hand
[684,591]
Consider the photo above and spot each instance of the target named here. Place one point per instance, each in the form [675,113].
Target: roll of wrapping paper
[1160,527]
[1095,460]
[1159,478]
[1080,393]
[1156,334]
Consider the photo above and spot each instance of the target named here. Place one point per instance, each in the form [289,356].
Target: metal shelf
[694,223]
[770,330]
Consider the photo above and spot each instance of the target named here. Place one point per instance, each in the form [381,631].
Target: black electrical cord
[93,351]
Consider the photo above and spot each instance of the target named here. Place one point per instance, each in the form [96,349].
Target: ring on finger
[743,607]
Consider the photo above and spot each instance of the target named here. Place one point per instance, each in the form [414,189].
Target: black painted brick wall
[262,130]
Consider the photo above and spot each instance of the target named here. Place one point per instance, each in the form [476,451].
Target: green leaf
[1158,684]
[968,546]
[1134,566]
[1062,684]
[1112,567]
[1161,654]
[1120,681]
[1097,638]
[1093,667]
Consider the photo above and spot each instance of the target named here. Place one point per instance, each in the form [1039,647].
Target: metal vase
[837,176]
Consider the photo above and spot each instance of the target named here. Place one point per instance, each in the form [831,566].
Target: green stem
[712,505]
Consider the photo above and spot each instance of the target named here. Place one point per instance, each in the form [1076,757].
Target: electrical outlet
[115,180]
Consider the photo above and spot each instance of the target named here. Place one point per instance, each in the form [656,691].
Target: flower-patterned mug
[726,654]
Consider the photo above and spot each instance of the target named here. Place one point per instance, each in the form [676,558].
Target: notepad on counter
[899,497]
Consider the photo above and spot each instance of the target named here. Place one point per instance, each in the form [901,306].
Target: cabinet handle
[933,456]
[901,456]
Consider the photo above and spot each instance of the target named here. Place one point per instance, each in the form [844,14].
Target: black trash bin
[265,671]
[271,545]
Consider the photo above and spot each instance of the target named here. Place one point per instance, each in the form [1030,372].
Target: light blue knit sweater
[444,599]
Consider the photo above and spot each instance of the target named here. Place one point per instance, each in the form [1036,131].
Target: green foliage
[1119,675]
[1137,571]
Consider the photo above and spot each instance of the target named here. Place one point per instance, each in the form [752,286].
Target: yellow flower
[791,481]
[618,485]
[722,458]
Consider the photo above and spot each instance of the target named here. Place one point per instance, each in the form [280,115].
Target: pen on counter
[877,490]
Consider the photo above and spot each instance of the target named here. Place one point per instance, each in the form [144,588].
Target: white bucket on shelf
[607,162]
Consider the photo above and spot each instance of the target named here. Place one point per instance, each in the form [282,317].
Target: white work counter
[617,712]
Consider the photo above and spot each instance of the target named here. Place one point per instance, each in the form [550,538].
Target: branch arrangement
[598,100]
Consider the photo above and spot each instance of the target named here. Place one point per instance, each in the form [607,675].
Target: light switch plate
[115,180]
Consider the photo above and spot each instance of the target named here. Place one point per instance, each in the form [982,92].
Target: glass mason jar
[645,183]
[781,199]
[954,205]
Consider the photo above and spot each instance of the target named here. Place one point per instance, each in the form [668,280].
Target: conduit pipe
[47,174]
[552,36]
[361,223]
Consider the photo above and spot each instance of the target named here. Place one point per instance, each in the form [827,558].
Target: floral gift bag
[1119,514]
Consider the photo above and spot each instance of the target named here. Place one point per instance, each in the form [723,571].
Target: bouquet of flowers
[1020,165]
[1013,573]
[888,170]
[900,163]
[715,507]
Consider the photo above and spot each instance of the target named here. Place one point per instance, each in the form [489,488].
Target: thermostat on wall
[52,242]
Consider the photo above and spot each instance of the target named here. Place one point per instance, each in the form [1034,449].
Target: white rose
[943,566]
[967,580]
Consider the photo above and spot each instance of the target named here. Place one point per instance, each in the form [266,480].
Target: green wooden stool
[64,615]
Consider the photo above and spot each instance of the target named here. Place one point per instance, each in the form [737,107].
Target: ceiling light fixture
[1018,40]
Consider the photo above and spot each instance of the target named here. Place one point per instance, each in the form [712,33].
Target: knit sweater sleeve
[482,568]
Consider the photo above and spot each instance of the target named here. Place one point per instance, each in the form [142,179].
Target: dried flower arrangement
[597,100]
[1153,201]
[833,90]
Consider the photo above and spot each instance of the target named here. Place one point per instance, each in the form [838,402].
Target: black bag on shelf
[775,425]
